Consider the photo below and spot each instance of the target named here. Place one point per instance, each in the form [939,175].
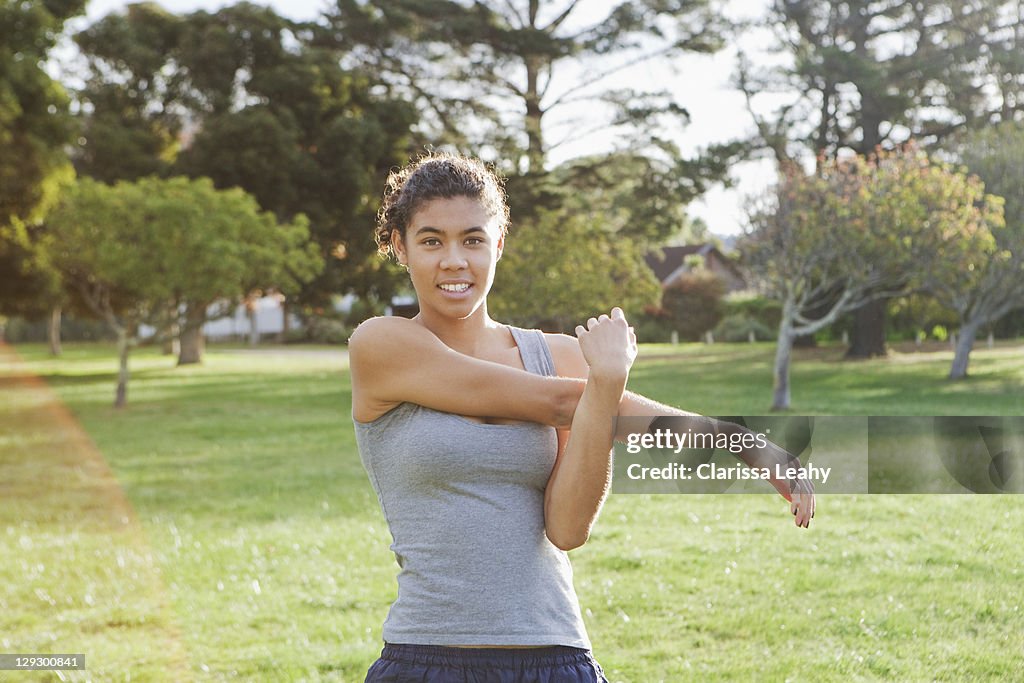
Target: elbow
[566,541]
[564,405]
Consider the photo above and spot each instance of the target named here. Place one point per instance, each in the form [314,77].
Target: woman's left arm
[590,460]
[581,477]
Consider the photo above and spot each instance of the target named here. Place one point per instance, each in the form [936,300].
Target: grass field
[245,542]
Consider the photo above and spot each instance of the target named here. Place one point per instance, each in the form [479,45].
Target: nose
[454,259]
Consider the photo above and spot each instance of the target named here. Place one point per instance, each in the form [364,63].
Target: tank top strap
[533,348]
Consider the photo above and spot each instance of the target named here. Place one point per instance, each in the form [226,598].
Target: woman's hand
[609,346]
[801,501]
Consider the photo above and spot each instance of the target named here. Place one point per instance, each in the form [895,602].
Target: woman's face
[451,247]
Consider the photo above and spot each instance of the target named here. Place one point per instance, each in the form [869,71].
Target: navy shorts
[438,664]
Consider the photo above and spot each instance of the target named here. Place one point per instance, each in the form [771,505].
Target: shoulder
[388,341]
[379,327]
[379,333]
[568,357]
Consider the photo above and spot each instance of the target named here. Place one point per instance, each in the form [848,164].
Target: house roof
[668,260]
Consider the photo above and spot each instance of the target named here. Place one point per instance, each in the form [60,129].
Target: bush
[694,304]
[17,330]
[319,330]
[767,312]
[1011,325]
[652,327]
[737,328]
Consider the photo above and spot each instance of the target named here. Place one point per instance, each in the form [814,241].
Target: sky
[700,84]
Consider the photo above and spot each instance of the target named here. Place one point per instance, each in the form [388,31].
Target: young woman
[489,446]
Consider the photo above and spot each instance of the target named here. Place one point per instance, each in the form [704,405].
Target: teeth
[460,287]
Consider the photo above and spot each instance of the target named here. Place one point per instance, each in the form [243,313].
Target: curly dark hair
[437,176]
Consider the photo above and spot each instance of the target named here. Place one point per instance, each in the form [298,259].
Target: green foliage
[868,73]
[136,251]
[558,269]
[254,104]
[859,230]
[765,311]
[34,121]
[322,330]
[838,236]
[652,326]
[18,330]
[984,277]
[489,75]
[916,314]
[176,240]
[640,196]
[738,328]
[35,127]
[693,304]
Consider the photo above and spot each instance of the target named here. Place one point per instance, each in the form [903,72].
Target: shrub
[320,331]
[693,305]
[737,328]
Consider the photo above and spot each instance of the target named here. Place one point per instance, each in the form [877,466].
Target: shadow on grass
[58,379]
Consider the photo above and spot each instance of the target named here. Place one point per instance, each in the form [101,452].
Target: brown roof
[667,260]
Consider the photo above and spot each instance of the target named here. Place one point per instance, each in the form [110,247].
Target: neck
[461,334]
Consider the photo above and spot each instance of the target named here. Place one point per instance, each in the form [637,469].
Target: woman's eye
[431,242]
[474,240]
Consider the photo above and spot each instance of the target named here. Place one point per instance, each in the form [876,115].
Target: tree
[870,74]
[241,96]
[35,127]
[558,269]
[131,249]
[495,68]
[34,122]
[856,231]
[494,79]
[984,279]
[637,196]
[216,247]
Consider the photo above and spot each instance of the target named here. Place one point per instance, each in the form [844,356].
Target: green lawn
[261,534]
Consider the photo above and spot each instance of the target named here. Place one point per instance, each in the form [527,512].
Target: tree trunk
[534,113]
[54,331]
[963,350]
[285,325]
[869,330]
[172,343]
[192,342]
[783,354]
[254,332]
[121,397]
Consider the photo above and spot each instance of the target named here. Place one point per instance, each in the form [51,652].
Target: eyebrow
[438,231]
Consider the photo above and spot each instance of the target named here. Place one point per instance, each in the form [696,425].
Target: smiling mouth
[455,288]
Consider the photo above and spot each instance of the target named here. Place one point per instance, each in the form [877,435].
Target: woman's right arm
[394,360]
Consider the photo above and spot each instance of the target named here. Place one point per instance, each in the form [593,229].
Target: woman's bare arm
[582,473]
[642,411]
[394,360]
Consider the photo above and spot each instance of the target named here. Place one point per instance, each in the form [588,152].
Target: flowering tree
[856,231]
[985,280]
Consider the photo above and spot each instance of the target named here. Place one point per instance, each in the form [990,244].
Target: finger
[580,330]
[591,322]
[602,318]
[618,314]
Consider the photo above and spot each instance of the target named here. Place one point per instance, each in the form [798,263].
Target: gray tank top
[465,505]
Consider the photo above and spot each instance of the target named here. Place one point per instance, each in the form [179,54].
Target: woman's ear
[398,248]
[501,246]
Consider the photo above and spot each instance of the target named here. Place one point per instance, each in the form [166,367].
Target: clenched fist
[609,345]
